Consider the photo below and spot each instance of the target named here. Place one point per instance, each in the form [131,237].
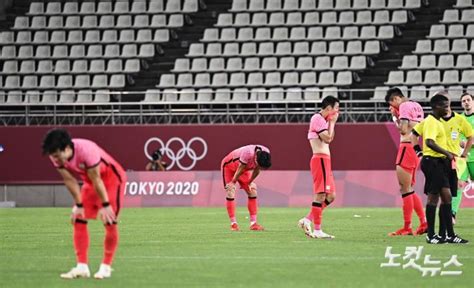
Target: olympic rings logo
[177,157]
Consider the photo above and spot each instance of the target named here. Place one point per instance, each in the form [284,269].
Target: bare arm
[99,187]
[148,166]
[239,172]
[328,135]
[467,147]
[161,166]
[71,184]
[255,173]
[435,147]
[404,127]
[414,139]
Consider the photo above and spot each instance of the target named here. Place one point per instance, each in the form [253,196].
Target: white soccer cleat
[80,271]
[305,224]
[321,235]
[105,271]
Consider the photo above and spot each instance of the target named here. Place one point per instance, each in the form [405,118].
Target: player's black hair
[437,99]
[264,159]
[56,139]
[329,101]
[392,92]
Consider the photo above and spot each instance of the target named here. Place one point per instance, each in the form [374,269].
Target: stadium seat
[222,95]
[395,78]
[445,62]
[102,96]
[14,97]
[67,96]
[379,92]
[450,77]
[311,93]
[294,94]
[455,91]
[187,95]
[427,62]
[418,93]
[32,96]
[413,77]
[432,77]
[84,96]
[409,62]
[49,96]
[98,66]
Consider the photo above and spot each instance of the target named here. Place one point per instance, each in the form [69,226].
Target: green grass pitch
[193,247]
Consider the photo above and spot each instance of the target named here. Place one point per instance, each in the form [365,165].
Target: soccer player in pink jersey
[320,134]
[243,165]
[406,115]
[101,194]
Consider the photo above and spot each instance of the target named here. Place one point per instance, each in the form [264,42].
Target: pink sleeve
[411,111]
[318,124]
[245,156]
[90,155]
[405,111]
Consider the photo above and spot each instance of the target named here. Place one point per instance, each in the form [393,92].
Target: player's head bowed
[56,139]
[330,102]
[394,97]
[264,159]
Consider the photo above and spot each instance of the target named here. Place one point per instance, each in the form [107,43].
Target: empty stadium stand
[200,54]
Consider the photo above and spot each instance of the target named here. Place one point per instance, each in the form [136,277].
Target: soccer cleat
[436,239]
[305,224]
[422,229]
[401,232]
[105,271]
[256,227]
[319,234]
[456,240]
[234,227]
[77,272]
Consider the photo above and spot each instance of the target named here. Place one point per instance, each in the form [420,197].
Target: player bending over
[101,194]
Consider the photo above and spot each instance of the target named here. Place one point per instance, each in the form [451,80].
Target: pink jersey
[246,155]
[317,125]
[87,154]
[411,111]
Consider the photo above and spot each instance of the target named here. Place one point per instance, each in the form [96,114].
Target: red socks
[230,203]
[317,211]
[407,209]
[110,243]
[309,216]
[252,206]
[418,206]
[81,240]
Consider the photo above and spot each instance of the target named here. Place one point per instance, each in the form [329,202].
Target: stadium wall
[356,147]
[363,160]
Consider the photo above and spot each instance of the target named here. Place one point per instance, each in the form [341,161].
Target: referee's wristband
[418,150]
[79,205]
[105,204]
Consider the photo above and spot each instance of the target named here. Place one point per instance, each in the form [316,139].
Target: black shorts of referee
[438,175]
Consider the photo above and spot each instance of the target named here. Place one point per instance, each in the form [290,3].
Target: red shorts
[323,180]
[114,184]
[407,159]
[229,168]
